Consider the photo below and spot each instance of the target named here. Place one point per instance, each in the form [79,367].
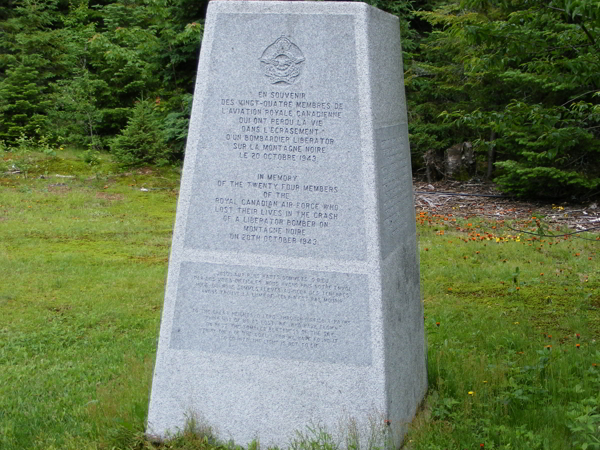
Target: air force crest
[282,61]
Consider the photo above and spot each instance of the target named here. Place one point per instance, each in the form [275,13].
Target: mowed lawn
[512,319]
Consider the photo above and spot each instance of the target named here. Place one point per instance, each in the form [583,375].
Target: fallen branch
[460,194]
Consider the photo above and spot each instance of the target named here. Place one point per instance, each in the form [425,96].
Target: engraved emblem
[282,61]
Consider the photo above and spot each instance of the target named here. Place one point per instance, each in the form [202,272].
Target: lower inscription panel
[279,313]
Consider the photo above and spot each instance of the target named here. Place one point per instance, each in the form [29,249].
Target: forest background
[519,79]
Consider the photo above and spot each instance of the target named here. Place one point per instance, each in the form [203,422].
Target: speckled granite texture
[293,288]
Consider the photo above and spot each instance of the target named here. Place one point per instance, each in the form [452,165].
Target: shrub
[143,141]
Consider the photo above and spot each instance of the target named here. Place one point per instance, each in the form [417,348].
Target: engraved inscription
[279,168]
[282,126]
[395,184]
[277,208]
[282,61]
[291,208]
[289,314]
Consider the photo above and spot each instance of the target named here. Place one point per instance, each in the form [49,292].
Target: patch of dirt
[112,197]
[467,199]
[58,188]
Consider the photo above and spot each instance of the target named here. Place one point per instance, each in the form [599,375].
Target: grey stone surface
[293,289]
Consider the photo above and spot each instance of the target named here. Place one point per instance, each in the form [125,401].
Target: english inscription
[290,314]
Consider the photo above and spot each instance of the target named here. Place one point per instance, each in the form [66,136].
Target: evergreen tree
[143,140]
[520,78]
[23,103]
[77,113]
[33,55]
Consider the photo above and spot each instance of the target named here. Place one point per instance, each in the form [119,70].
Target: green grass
[512,325]
[83,262]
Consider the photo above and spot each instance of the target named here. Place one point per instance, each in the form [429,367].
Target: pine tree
[521,80]
[23,103]
[143,140]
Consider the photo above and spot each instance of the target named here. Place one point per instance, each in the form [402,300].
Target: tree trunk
[491,156]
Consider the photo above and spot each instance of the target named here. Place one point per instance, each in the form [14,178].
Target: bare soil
[467,199]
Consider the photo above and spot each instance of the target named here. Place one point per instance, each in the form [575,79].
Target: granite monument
[293,295]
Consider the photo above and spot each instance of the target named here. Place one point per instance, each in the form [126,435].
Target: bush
[549,182]
[177,122]
[143,141]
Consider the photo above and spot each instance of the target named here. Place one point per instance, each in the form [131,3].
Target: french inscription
[290,314]
[281,126]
